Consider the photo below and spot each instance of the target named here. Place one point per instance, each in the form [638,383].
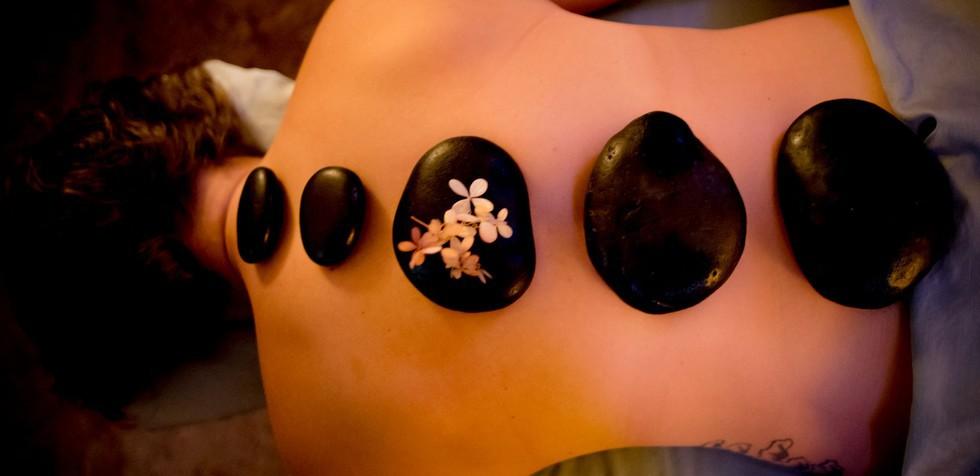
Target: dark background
[57,48]
[53,51]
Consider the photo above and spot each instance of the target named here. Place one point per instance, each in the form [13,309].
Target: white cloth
[259,96]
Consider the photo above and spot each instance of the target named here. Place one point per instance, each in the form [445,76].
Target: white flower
[490,226]
[460,260]
[434,226]
[421,245]
[456,255]
[471,266]
[458,225]
[470,199]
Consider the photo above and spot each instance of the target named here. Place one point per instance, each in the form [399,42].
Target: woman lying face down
[363,372]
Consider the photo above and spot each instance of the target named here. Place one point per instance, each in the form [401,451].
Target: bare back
[364,373]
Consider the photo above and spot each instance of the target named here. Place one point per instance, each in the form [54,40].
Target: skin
[364,375]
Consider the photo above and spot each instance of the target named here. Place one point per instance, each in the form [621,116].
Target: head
[102,253]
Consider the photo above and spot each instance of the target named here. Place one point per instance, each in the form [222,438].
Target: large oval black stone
[260,212]
[428,195]
[664,222]
[331,213]
[867,208]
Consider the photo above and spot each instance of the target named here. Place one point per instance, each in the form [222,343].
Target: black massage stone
[664,222]
[260,211]
[867,208]
[331,213]
[510,261]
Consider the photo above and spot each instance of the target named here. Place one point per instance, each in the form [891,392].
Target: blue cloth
[928,56]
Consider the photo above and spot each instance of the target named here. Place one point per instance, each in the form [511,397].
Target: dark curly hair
[98,275]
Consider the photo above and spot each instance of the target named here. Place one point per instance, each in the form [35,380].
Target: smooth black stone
[867,208]
[427,195]
[260,212]
[664,222]
[331,213]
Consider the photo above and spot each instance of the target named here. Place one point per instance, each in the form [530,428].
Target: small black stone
[510,261]
[331,213]
[664,222]
[867,208]
[260,212]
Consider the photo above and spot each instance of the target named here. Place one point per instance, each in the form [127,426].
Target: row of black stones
[330,216]
[866,207]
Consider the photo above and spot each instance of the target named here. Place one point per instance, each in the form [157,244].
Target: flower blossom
[460,260]
[454,255]
[490,226]
[421,245]
[467,218]
[458,225]
[471,267]
[471,197]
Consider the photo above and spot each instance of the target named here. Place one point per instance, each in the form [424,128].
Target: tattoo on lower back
[778,452]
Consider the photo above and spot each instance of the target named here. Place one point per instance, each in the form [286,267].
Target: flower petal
[429,239]
[505,230]
[416,234]
[449,216]
[468,242]
[467,218]
[406,246]
[502,215]
[458,187]
[417,259]
[431,250]
[450,231]
[435,225]
[462,207]
[483,206]
[478,187]
[450,257]
[457,229]
[488,232]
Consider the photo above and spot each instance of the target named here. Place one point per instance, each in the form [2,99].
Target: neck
[204,230]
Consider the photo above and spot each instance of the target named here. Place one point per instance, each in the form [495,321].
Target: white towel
[259,96]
